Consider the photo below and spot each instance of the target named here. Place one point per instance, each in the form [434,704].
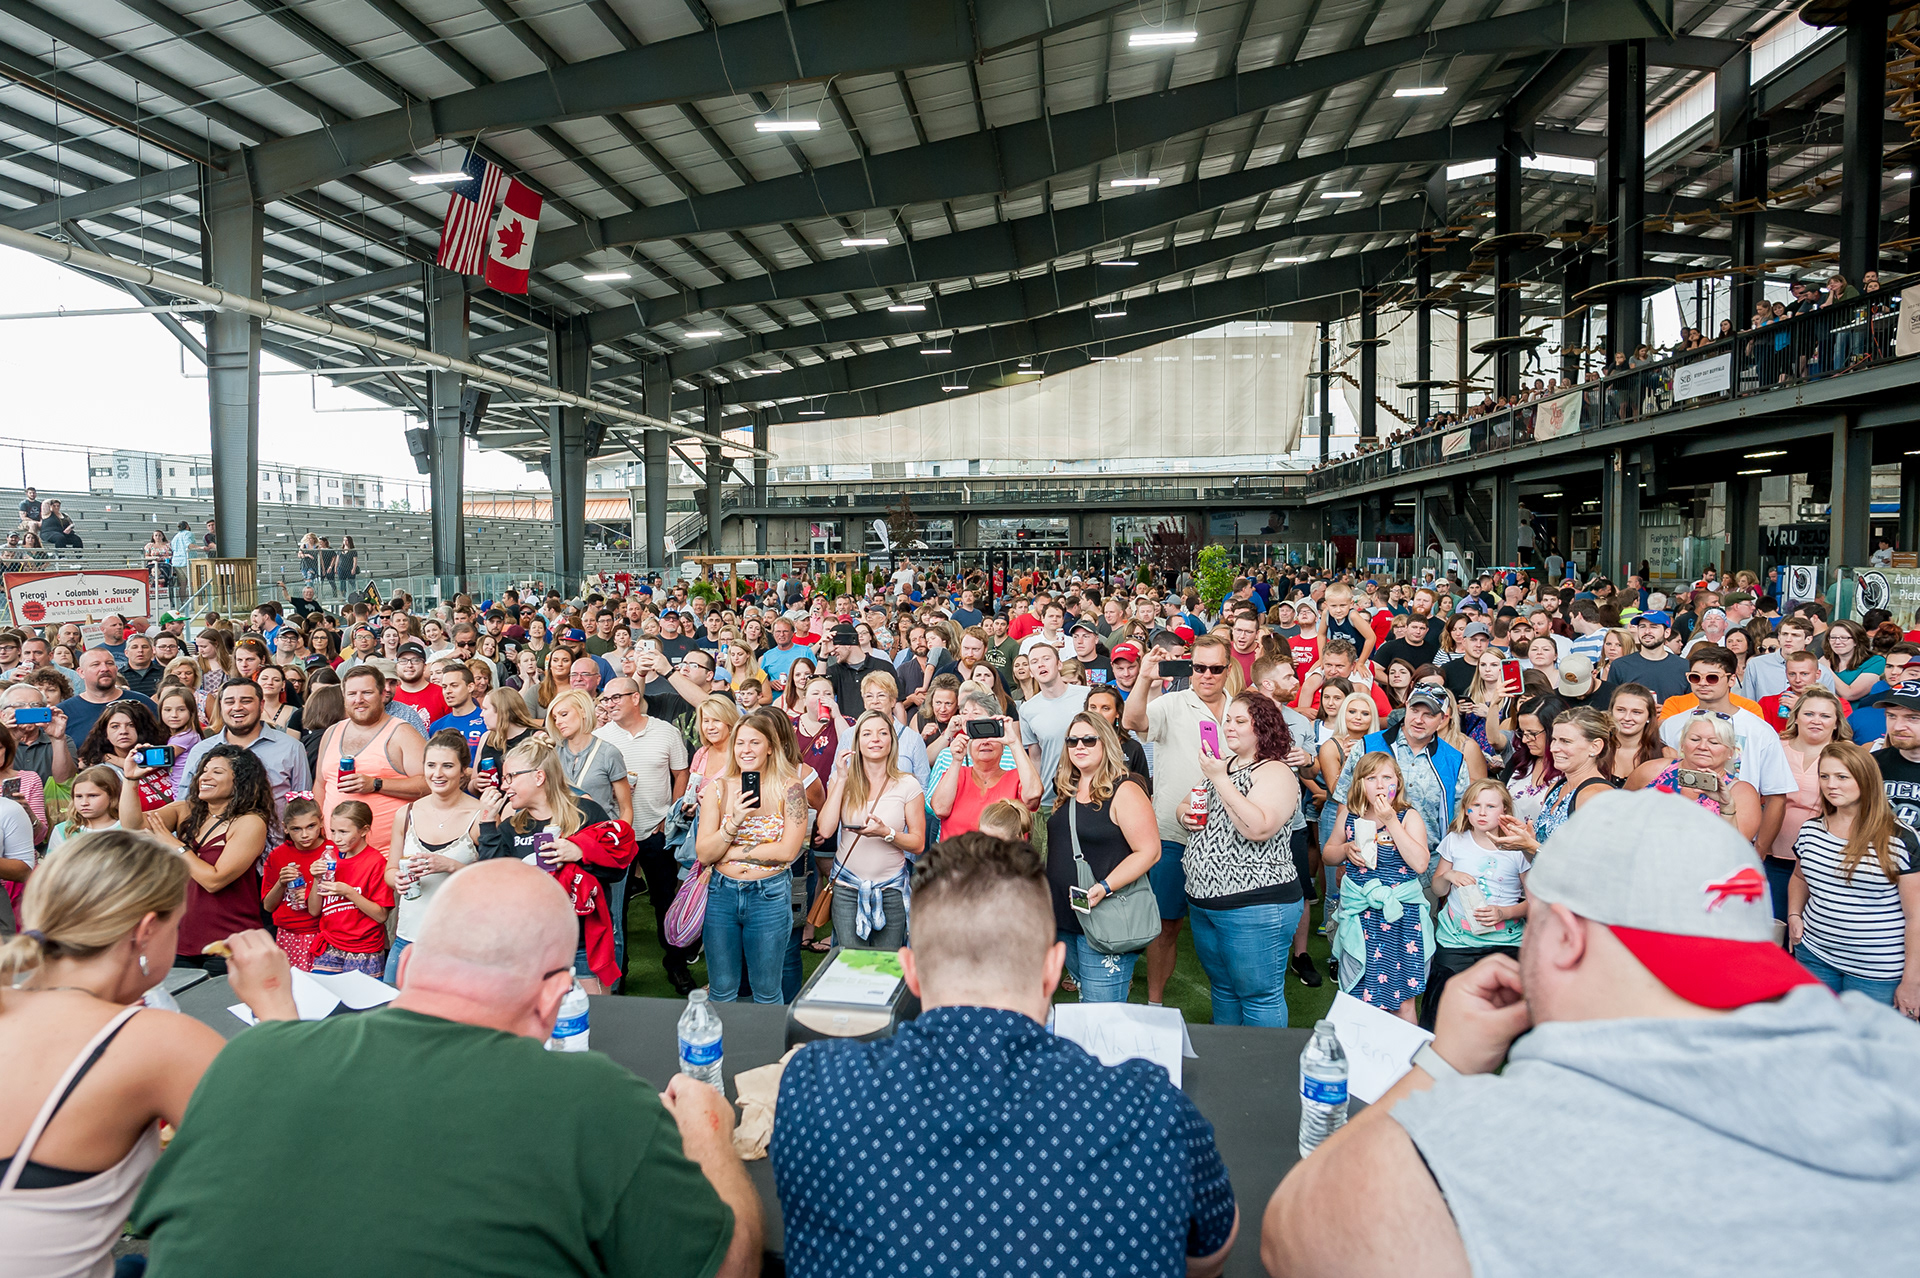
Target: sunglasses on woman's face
[1082,743]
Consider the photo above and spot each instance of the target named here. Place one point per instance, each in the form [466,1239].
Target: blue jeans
[1840,983]
[617,915]
[1244,953]
[1104,978]
[392,975]
[747,928]
[1168,878]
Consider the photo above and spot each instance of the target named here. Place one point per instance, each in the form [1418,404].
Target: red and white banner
[1558,416]
[510,249]
[82,596]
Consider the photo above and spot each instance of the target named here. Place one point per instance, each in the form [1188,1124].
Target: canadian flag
[510,246]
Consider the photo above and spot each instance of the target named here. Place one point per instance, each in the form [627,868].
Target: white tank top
[412,911]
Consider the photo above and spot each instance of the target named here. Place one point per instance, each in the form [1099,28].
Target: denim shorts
[1168,878]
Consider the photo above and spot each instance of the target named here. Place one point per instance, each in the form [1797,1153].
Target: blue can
[346,765]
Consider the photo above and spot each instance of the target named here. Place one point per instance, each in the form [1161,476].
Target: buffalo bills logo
[1749,885]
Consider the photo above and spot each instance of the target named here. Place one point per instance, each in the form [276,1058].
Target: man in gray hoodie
[1679,1095]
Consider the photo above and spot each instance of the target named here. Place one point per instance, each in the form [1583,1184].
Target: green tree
[1213,577]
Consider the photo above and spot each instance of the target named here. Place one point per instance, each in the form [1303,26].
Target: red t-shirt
[1774,713]
[1245,661]
[288,916]
[155,790]
[429,701]
[1306,654]
[344,926]
[1022,626]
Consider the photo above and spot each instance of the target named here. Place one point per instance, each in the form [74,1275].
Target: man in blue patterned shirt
[975,1142]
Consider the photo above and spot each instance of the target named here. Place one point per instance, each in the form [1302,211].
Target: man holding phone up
[1174,724]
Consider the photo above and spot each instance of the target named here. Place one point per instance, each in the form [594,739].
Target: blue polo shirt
[975,1142]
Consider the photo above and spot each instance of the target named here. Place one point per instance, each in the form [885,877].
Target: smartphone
[983,729]
[543,849]
[1510,677]
[1176,668]
[1210,737]
[156,756]
[33,714]
[649,645]
[750,784]
[10,788]
[1693,779]
[1077,899]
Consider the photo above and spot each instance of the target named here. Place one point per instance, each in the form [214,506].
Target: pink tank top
[372,761]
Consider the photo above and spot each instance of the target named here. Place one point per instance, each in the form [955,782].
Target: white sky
[115,382]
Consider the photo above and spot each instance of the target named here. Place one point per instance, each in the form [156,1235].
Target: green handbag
[1124,922]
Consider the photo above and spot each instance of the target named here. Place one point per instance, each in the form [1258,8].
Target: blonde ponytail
[90,894]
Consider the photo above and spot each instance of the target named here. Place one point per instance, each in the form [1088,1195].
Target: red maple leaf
[512,237]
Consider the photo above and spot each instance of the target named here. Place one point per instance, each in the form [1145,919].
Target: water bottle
[1323,1088]
[296,893]
[570,1027]
[700,1053]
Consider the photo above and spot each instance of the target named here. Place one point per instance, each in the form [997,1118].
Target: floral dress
[1397,940]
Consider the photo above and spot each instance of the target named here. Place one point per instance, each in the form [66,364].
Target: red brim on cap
[1716,973]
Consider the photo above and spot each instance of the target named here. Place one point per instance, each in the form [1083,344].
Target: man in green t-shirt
[436,1136]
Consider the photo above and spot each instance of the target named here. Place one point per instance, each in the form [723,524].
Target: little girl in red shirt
[296,930]
[352,902]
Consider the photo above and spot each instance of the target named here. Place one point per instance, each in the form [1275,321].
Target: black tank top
[1101,843]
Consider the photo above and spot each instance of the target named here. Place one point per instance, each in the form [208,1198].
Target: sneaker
[1304,969]
[1328,916]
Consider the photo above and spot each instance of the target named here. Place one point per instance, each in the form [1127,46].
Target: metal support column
[1369,365]
[1563,528]
[1864,124]
[1506,290]
[447,334]
[1849,516]
[231,249]
[1326,389]
[716,466]
[1423,334]
[1619,514]
[1909,503]
[656,394]
[1574,278]
[1420,534]
[1743,523]
[1460,354]
[1749,230]
[1506,520]
[760,484]
[1627,172]
[567,361]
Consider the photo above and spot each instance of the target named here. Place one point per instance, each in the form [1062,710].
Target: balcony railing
[1830,342]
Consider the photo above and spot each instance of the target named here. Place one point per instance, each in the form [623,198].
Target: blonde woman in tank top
[433,837]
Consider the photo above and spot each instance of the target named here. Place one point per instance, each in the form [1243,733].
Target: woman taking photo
[221,830]
[1242,885]
[1486,709]
[881,816]
[24,786]
[1817,720]
[91,1073]
[1851,660]
[1853,905]
[1384,936]
[590,764]
[753,824]
[1704,772]
[976,779]
[125,727]
[432,837]
[1581,742]
[1636,730]
[1109,815]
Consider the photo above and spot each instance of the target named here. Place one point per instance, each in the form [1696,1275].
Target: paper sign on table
[862,978]
[317,995]
[1114,1032]
[1379,1046]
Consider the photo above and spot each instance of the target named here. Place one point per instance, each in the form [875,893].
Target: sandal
[817,946]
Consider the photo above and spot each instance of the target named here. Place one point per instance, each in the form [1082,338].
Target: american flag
[463,237]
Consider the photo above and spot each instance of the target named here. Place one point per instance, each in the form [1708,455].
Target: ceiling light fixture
[1768,452]
[437,179]
[705,332]
[1762,470]
[1160,39]
[953,388]
[813,412]
[1340,195]
[601,276]
[787,126]
[1109,314]
[1143,181]
[936,350]
[1904,175]
[906,308]
[1775,243]
[1288,261]
[864,241]
[1119,261]
[1103,359]
[1422,91]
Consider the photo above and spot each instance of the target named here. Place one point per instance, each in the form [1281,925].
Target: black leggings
[662,874]
[1449,962]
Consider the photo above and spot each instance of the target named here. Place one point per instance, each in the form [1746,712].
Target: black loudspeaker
[420,444]
[473,406]
[596,436]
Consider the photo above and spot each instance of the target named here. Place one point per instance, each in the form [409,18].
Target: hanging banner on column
[1456,443]
[1802,585]
[1906,340]
[1708,377]
[1396,459]
[1558,416]
[82,597]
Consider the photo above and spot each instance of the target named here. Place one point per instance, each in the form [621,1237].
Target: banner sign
[1558,416]
[1456,443]
[1906,339]
[1802,585]
[1396,458]
[1708,377]
[83,596]
[1895,589]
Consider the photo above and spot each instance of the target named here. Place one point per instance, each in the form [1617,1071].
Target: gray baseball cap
[1680,889]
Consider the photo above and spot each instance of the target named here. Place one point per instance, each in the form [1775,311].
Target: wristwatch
[378,785]
[1104,887]
[1434,1063]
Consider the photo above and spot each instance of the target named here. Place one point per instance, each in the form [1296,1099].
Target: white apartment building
[131,473]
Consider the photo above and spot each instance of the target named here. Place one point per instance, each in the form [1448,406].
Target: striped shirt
[1857,927]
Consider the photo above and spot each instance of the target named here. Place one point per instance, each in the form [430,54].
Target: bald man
[452,1141]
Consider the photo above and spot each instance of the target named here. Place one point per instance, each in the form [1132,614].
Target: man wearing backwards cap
[1682,1096]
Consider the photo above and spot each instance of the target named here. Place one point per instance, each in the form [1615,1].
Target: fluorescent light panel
[905,308]
[1109,314]
[1119,261]
[1340,195]
[1422,91]
[705,332]
[1160,39]
[787,126]
[1288,261]
[875,241]
[1139,181]
[600,276]
[936,350]
[437,179]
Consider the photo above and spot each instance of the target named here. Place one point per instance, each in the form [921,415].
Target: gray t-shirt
[1043,722]
[594,770]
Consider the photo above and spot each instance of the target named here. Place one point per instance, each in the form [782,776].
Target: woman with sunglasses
[1704,772]
[1531,771]
[1112,819]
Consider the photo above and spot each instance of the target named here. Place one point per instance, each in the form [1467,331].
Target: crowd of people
[983,774]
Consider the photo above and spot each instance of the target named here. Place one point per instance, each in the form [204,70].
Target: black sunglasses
[1078,742]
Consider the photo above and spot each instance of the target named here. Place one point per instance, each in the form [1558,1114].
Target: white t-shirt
[1763,761]
[652,756]
[1043,722]
[1061,645]
[16,832]
[1498,872]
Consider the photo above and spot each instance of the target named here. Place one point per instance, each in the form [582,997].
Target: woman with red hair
[1242,885]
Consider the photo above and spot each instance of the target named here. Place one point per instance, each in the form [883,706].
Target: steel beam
[1849,514]
[716,473]
[1749,229]
[760,484]
[656,399]
[447,332]
[1619,512]
[567,358]
[1369,364]
[1423,343]
[1743,524]
[352,288]
[181,179]
[1627,179]
[1909,503]
[1326,389]
[1865,128]
[1507,198]
[231,252]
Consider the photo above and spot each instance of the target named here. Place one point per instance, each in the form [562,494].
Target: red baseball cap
[1679,887]
[1128,651]
[1185,633]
